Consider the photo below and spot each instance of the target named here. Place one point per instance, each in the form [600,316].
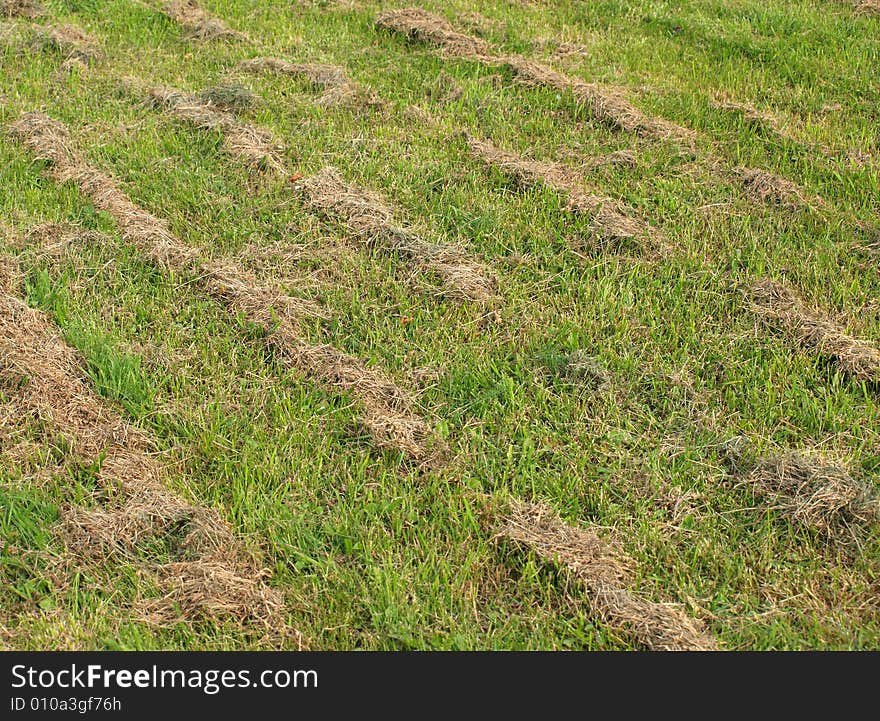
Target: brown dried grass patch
[21,9]
[371,220]
[255,145]
[868,7]
[778,304]
[71,42]
[338,88]
[766,187]
[199,23]
[387,410]
[812,492]
[603,570]
[425,27]
[609,221]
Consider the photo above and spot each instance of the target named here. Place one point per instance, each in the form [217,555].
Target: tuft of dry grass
[868,7]
[387,410]
[813,493]
[609,221]
[233,98]
[21,9]
[422,26]
[321,75]
[371,220]
[766,187]
[198,23]
[338,88]
[603,570]
[255,145]
[43,377]
[780,306]
[70,41]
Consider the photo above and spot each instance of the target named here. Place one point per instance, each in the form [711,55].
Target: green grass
[369,553]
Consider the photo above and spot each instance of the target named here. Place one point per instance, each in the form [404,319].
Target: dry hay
[422,26]
[767,187]
[71,42]
[321,75]
[387,411]
[609,222]
[859,359]
[255,145]
[43,376]
[813,493]
[21,9]
[605,106]
[198,23]
[338,88]
[868,7]
[624,158]
[233,98]
[603,570]
[370,219]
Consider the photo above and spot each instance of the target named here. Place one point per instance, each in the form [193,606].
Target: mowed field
[494,325]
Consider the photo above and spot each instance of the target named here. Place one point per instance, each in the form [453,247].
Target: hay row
[387,410]
[213,576]
[781,307]
[606,106]
[337,87]
[369,219]
[21,9]
[254,145]
[610,220]
[366,215]
[603,571]
[198,23]
[813,493]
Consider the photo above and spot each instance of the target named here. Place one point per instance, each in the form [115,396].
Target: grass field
[615,386]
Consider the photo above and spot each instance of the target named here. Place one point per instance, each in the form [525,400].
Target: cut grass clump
[338,88]
[254,145]
[198,23]
[609,222]
[372,221]
[425,27]
[603,570]
[21,9]
[765,187]
[813,493]
[232,98]
[781,307]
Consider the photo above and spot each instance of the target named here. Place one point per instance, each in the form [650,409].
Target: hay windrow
[603,570]
[609,221]
[320,75]
[198,23]
[43,376]
[338,88]
[781,307]
[765,187]
[21,9]
[372,221]
[604,105]
[812,492]
[255,145]
[422,26]
[387,411]
[72,42]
